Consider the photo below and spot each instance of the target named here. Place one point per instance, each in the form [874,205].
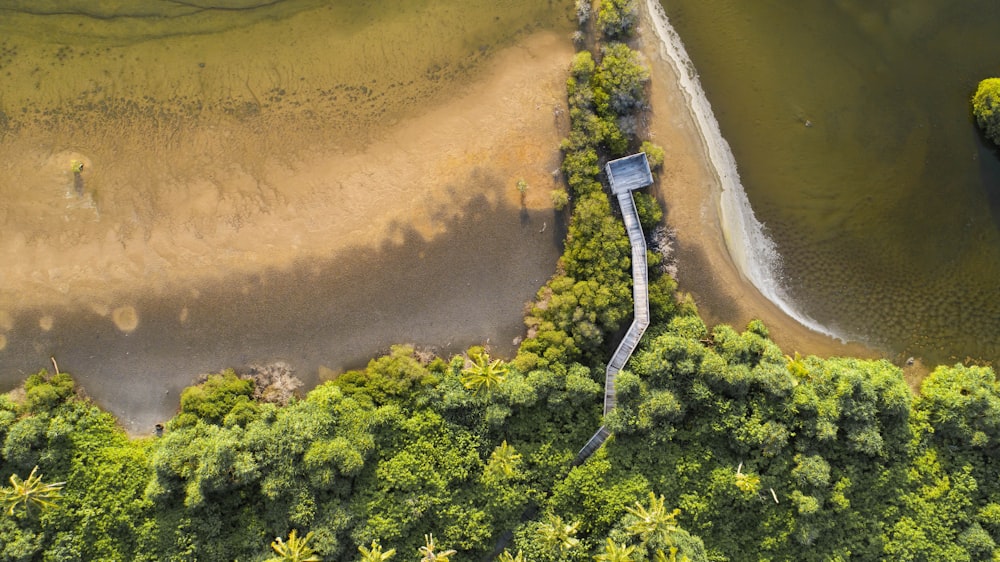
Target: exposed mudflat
[195,243]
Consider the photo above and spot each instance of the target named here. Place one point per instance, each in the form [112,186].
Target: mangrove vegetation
[724,447]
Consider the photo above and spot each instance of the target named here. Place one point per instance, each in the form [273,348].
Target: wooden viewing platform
[626,174]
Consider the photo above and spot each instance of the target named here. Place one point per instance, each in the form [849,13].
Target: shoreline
[691,189]
[432,202]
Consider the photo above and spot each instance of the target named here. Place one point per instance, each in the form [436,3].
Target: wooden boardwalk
[640,299]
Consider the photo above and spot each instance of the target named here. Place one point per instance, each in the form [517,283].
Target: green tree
[484,374]
[582,66]
[986,108]
[654,154]
[295,550]
[623,77]
[653,522]
[555,534]
[504,461]
[506,556]
[30,494]
[427,551]
[617,18]
[748,483]
[614,552]
[375,554]
[213,399]
[672,557]
[560,198]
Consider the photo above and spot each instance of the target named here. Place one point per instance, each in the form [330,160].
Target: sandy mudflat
[322,255]
[690,188]
[139,231]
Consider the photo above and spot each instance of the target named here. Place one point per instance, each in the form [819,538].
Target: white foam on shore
[752,251]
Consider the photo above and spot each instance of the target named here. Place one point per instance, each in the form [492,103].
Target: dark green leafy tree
[670,556]
[213,400]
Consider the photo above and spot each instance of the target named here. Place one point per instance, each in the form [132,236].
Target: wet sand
[690,189]
[322,256]
[205,223]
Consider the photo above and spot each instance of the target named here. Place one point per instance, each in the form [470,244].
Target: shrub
[654,154]
[212,400]
[623,76]
[45,392]
[986,108]
[560,199]
[582,66]
[649,210]
[617,18]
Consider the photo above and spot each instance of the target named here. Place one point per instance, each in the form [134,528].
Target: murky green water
[335,68]
[850,124]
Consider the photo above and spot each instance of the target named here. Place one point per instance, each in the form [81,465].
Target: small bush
[617,18]
[215,398]
[986,108]
[560,199]
[654,154]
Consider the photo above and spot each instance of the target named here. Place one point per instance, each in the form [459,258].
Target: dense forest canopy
[723,447]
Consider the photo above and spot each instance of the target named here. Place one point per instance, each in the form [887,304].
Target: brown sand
[87,251]
[690,188]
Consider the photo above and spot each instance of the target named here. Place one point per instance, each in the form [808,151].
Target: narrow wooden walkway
[640,299]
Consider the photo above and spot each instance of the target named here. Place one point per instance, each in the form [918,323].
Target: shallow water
[850,126]
[213,135]
[464,288]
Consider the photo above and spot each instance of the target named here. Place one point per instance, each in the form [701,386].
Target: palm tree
[672,557]
[615,553]
[557,534]
[654,521]
[504,460]
[484,374]
[30,494]
[375,554]
[508,557]
[429,554]
[747,483]
[295,550]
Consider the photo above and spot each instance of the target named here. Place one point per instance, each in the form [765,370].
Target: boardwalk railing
[633,173]
[640,299]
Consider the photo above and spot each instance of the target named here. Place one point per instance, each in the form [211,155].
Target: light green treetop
[986,108]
